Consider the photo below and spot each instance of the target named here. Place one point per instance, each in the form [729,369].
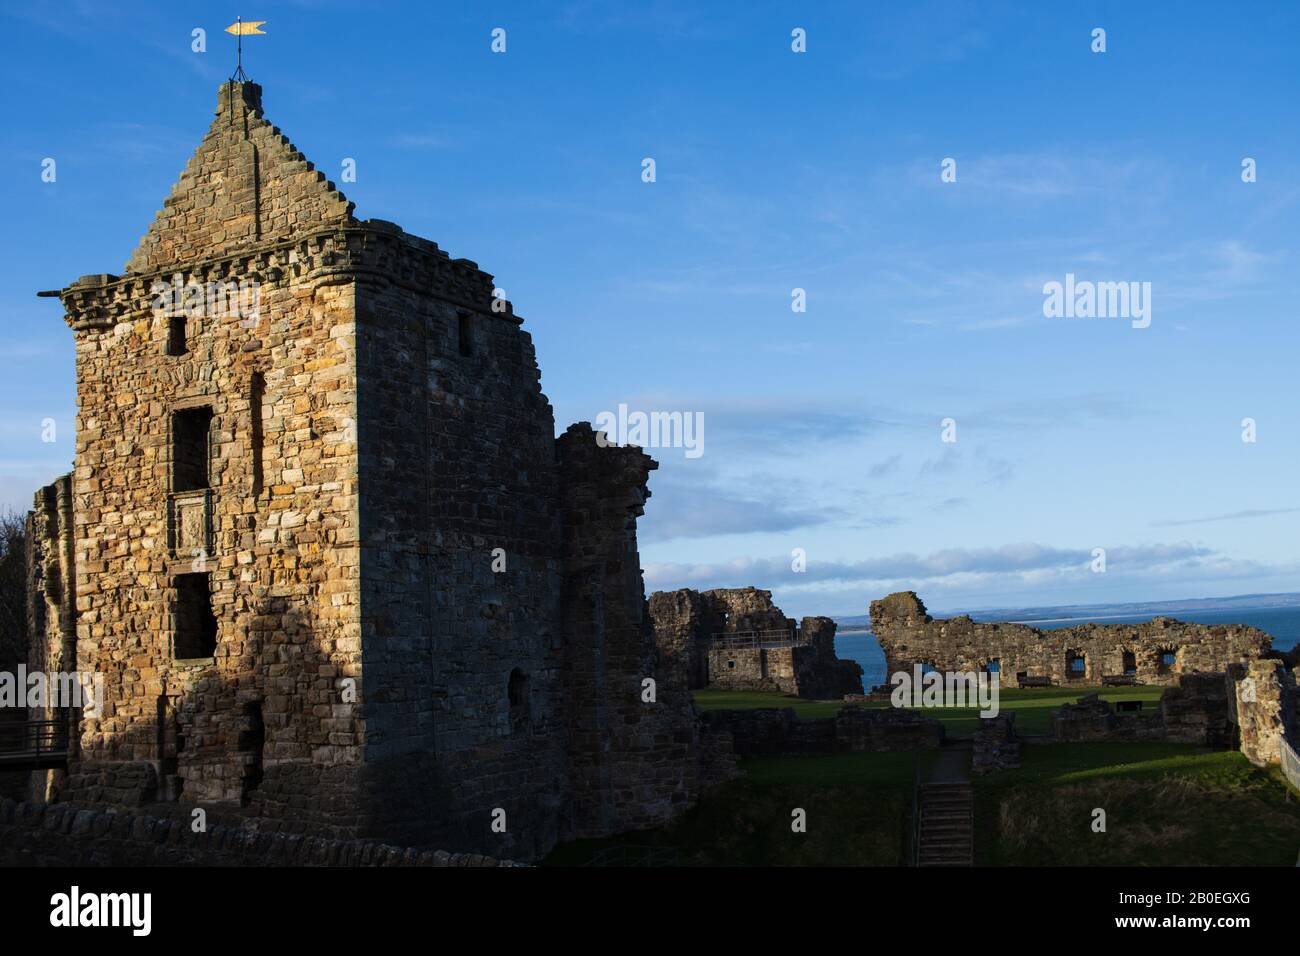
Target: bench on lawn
[1127,706]
[1029,680]
[1118,680]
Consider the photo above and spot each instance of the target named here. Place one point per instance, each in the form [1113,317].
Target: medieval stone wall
[274,531]
[774,732]
[460,559]
[51,608]
[1250,708]
[908,636]
[33,834]
[635,751]
[1266,701]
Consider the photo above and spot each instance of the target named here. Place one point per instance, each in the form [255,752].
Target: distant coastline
[1278,615]
[1082,613]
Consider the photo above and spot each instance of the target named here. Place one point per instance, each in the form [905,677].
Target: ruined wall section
[683,620]
[748,609]
[818,673]
[687,622]
[51,608]
[1266,700]
[460,556]
[633,763]
[261,720]
[908,635]
[246,184]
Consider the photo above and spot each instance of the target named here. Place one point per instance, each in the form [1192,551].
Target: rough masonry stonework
[1158,651]
[737,639]
[328,554]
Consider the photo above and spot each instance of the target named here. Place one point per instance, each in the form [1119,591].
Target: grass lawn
[1032,706]
[856,805]
[1165,804]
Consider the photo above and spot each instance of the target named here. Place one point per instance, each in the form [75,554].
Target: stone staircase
[947,824]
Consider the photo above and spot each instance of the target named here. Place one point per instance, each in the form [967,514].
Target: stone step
[945,819]
[946,808]
[947,824]
[951,833]
[947,828]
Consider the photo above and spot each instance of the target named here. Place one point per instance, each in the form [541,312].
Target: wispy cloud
[1231,516]
[1020,560]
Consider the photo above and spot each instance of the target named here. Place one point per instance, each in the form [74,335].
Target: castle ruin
[1159,651]
[737,639]
[328,555]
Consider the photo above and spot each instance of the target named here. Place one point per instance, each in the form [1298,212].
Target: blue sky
[774,171]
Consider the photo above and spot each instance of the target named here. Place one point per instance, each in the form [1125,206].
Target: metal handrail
[772,638]
[1290,762]
[916,811]
[33,739]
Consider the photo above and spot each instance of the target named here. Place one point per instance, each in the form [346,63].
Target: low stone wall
[776,732]
[1200,710]
[1249,707]
[68,835]
[996,746]
[1093,719]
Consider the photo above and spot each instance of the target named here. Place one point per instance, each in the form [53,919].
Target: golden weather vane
[240,29]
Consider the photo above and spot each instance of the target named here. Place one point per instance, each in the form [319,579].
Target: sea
[1281,623]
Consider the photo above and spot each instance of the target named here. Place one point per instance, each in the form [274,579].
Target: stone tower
[331,560]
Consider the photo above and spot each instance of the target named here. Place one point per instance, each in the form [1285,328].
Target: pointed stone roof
[246,185]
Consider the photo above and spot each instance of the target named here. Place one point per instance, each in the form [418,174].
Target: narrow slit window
[252,745]
[464,333]
[517,697]
[256,398]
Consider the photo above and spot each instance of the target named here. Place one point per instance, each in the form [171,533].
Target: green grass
[1165,804]
[1032,706]
[856,806]
[753,700]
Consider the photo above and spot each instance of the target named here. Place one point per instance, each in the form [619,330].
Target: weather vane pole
[241,29]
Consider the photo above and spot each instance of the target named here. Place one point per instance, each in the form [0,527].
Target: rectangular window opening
[191,448]
[195,634]
[176,344]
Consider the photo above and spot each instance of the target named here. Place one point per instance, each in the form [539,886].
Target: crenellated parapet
[374,251]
